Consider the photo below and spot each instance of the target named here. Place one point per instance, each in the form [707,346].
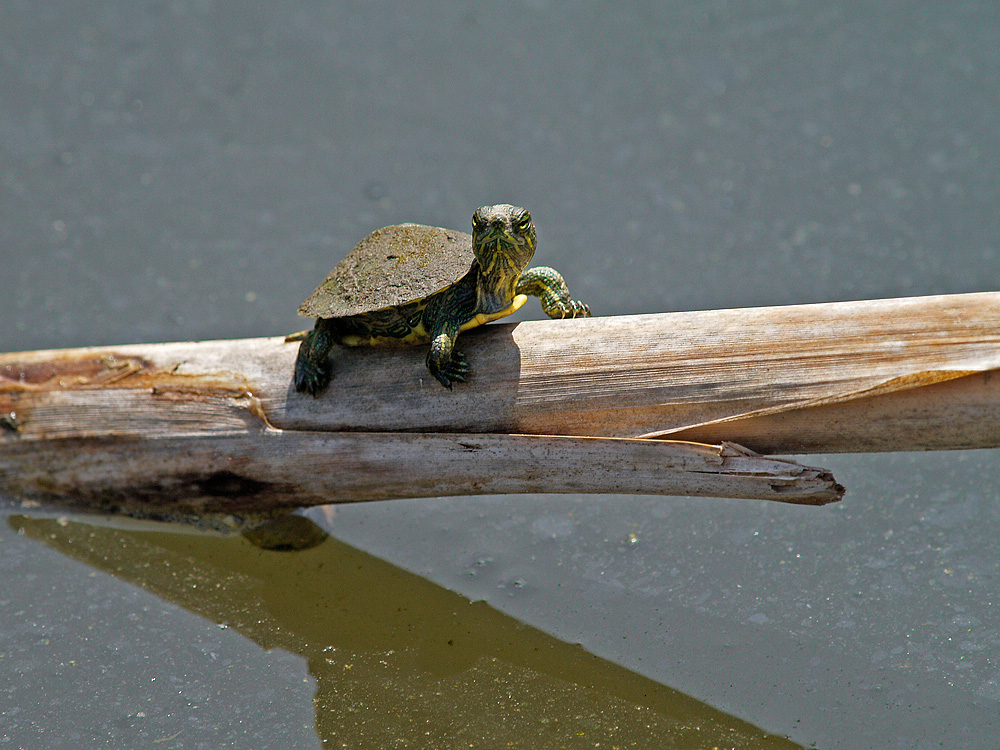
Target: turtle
[409,284]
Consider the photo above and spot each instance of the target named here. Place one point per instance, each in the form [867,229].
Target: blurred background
[191,169]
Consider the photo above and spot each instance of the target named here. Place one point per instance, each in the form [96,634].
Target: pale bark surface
[217,425]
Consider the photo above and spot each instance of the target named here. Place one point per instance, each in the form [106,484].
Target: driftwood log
[169,430]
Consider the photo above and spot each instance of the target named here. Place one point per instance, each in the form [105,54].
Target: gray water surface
[175,170]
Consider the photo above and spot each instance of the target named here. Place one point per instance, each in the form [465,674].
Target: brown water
[398,661]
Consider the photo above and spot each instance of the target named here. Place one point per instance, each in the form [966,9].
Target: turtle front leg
[444,361]
[312,366]
[549,286]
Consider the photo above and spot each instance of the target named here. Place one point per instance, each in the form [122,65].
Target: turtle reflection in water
[413,284]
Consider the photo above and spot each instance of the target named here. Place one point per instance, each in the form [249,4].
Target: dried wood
[267,471]
[897,374]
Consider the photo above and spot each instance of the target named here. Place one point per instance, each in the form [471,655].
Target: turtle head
[503,239]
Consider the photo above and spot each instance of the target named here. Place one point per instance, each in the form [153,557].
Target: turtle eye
[523,222]
[477,220]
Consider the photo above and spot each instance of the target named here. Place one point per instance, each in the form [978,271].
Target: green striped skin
[548,285]
[503,241]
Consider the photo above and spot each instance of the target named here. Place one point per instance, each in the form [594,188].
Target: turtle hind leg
[549,286]
[312,366]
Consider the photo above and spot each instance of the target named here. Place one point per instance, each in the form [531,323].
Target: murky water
[184,170]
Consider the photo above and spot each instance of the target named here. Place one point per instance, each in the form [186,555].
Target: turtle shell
[391,266]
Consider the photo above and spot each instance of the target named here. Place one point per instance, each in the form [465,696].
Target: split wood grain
[899,374]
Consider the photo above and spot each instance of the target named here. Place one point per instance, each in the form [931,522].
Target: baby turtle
[410,284]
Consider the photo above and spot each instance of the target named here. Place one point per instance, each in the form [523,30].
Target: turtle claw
[310,379]
[569,309]
[453,371]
